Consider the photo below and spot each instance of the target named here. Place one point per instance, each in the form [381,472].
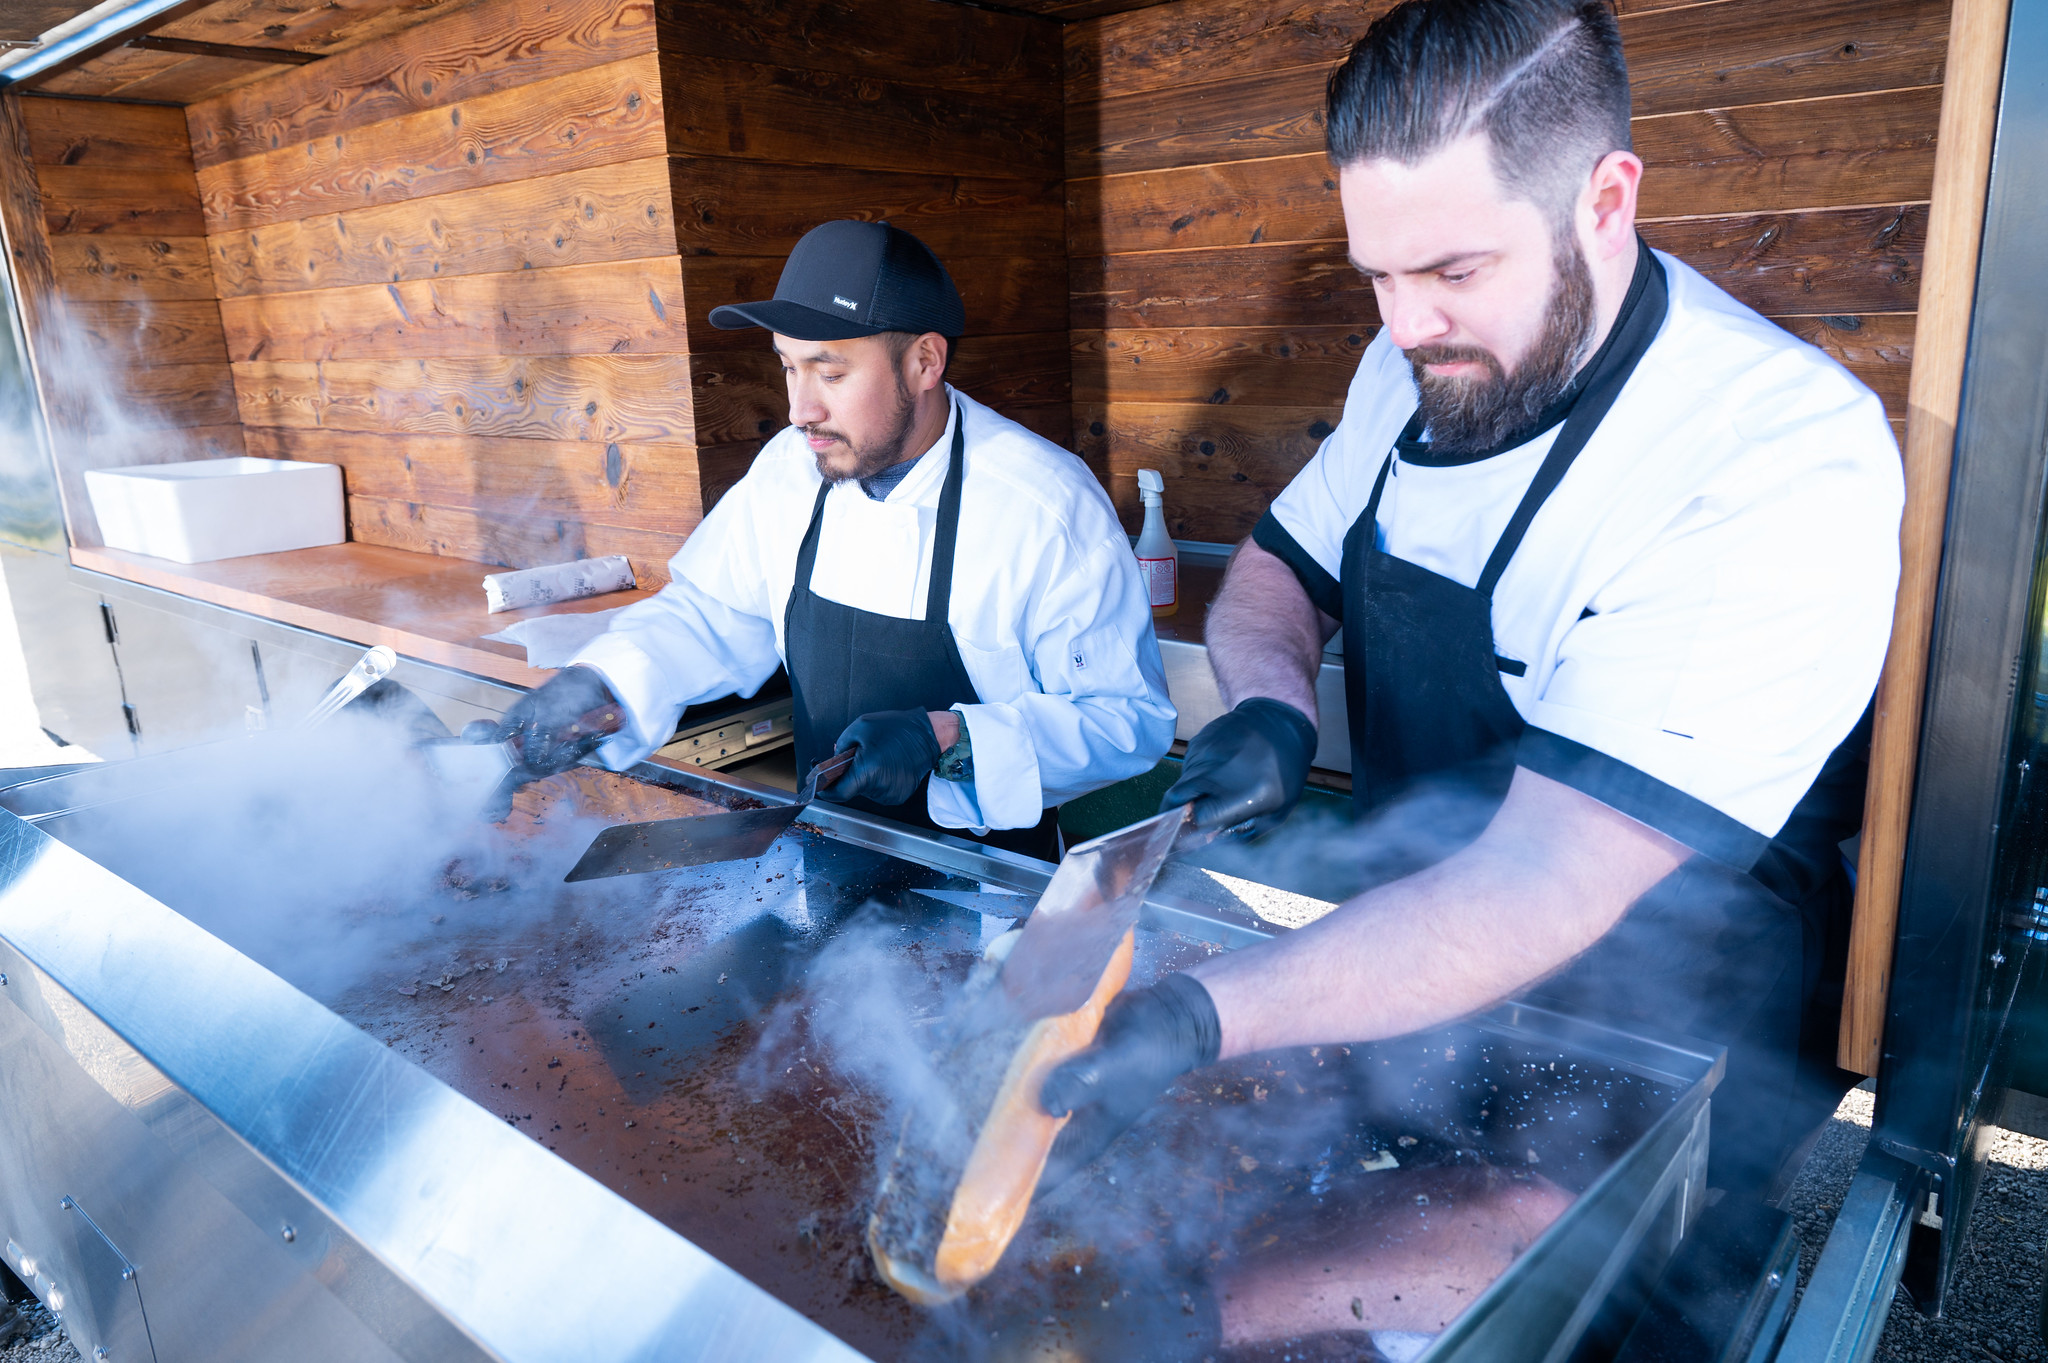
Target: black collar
[1643,309]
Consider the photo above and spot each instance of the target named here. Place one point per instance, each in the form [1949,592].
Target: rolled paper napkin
[557,582]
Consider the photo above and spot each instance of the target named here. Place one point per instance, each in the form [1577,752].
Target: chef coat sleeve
[1079,704]
[1711,678]
[709,633]
[1306,525]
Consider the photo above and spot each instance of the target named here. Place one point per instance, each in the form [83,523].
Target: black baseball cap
[847,279]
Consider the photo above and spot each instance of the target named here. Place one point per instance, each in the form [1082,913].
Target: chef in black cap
[953,595]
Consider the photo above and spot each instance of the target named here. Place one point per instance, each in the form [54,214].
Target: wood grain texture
[778,114]
[1069,10]
[914,42]
[472,51]
[596,117]
[1877,349]
[1230,203]
[739,394]
[1969,116]
[1841,261]
[82,199]
[750,208]
[1202,40]
[1852,150]
[1274,366]
[627,307]
[1760,51]
[110,73]
[1003,295]
[1250,113]
[658,488]
[1822,153]
[95,403]
[579,217]
[325,27]
[22,223]
[1852,260]
[192,78]
[1227,462]
[506,541]
[1699,56]
[122,267]
[135,335]
[1310,284]
[574,397]
[424,607]
[63,132]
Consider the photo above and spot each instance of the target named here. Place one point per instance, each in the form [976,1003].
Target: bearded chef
[1614,560]
[952,595]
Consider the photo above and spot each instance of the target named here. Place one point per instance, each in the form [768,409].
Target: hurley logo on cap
[846,303]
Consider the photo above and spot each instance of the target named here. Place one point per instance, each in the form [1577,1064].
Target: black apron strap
[938,600]
[807,552]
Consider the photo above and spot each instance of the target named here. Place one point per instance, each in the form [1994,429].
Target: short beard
[1469,416]
[886,451]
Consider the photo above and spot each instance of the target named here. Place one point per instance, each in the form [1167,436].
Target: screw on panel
[290,1234]
[3,978]
[100,1351]
[1775,1281]
[65,1205]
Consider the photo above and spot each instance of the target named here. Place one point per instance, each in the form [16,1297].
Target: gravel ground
[1994,1303]
[42,1342]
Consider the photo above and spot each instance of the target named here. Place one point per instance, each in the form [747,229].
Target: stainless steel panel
[420,1226]
[1192,685]
[71,669]
[186,681]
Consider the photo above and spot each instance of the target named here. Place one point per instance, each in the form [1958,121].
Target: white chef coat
[1048,611]
[1707,596]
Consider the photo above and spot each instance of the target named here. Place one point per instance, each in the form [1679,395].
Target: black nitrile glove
[1148,1039]
[553,725]
[1250,763]
[897,750]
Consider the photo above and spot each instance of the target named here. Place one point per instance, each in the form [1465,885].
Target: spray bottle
[1158,560]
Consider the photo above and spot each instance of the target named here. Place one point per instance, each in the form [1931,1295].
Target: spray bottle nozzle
[1151,487]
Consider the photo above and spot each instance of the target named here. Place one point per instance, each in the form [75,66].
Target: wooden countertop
[423,606]
[432,608]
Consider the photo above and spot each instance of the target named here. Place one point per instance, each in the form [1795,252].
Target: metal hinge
[107,619]
[134,725]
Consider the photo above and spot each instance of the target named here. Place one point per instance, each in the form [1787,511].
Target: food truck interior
[279,1081]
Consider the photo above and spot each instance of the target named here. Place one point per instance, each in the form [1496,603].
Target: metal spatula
[665,844]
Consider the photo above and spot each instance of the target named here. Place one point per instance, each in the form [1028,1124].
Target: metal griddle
[550,1085]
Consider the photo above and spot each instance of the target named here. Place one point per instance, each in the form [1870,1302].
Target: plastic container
[209,509]
[1158,559]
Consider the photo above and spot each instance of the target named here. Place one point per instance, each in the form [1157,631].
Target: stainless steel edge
[1192,685]
[444,1232]
[1847,1301]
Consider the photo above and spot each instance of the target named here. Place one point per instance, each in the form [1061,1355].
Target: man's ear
[1607,211]
[924,362]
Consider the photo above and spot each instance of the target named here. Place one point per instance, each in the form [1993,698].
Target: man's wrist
[956,762]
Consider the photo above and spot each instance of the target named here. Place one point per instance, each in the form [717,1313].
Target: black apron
[1725,955]
[845,663]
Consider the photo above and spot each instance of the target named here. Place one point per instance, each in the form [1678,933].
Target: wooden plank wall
[1790,153]
[942,118]
[125,331]
[446,261]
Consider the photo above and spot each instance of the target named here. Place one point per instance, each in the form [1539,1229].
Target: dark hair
[899,343]
[1543,79]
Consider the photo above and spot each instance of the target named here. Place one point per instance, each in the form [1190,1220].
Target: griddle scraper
[665,844]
